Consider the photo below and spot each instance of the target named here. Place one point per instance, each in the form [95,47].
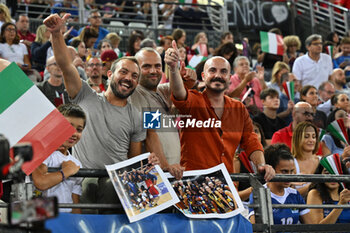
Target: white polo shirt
[311,72]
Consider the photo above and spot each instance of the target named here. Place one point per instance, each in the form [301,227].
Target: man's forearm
[257,157]
[176,85]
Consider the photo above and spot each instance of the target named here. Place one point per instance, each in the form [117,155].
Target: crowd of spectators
[112,88]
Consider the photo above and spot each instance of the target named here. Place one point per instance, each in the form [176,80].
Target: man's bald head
[72,52]
[216,74]
[302,112]
[338,77]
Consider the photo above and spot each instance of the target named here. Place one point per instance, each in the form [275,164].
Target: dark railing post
[262,197]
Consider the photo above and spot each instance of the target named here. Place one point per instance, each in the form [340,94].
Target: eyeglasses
[52,64]
[317,44]
[93,64]
[10,29]
[96,17]
[308,114]
[329,92]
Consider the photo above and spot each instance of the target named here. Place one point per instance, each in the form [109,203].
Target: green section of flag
[322,133]
[264,39]
[16,83]
[335,133]
[292,91]
[325,163]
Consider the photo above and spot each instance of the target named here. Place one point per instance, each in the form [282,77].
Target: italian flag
[329,50]
[289,89]
[338,130]
[26,115]
[201,49]
[195,60]
[332,164]
[271,43]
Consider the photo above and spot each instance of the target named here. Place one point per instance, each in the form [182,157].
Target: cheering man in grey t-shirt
[113,130]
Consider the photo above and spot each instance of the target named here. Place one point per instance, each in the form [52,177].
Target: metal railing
[213,20]
[322,16]
[262,200]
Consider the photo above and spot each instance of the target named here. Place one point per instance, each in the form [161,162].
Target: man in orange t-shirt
[216,124]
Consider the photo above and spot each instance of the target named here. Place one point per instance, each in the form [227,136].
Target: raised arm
[71,76]
[176,84]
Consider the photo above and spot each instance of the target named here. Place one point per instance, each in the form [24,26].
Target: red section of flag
[280,47]
[337,163]
[46,137]
[286,89]
[343,129]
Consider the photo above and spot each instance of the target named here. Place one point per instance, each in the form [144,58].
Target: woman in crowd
[115,40]
[330,143]
[79,45]
[308,94]
[280,158]
[227,50]
[329,193]
[292,45]
[341,100]
[280,74]
[134,44]
[179,36]
[39,48]
[305,145]
[5,16]
[103,45]
[88,35]
[13,50]
[200,46]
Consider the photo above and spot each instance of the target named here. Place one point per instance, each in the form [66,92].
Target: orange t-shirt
[202,148]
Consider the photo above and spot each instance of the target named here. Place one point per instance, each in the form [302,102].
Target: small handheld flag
[289,89]
[271,43]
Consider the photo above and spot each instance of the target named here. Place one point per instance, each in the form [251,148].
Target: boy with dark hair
[60,184]
[268,119]
[343,60]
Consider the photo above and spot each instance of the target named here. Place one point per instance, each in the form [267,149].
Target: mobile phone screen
[37,209]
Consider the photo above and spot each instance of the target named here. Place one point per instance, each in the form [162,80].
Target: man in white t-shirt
[314,67]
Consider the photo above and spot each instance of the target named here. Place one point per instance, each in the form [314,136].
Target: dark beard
[117,93]
[148,84]
[217,90]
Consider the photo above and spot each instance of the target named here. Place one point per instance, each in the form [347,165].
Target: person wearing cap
[94,73]
[107,57]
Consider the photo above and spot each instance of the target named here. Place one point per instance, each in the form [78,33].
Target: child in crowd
[60,184]
[280,158]
[268,119]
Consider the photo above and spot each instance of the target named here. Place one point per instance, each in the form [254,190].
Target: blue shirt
[339,60]
[344,217]
[285,216]
[102,33]
[57,6]
[328,140]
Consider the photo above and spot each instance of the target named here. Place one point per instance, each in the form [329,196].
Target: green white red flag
[332,164]
[271,43]
[26,115]
[289,89]
[195,60]
[322,132]
[338,130]
[329,50]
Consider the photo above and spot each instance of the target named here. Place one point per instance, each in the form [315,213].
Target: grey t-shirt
[108,132]
[146,100]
